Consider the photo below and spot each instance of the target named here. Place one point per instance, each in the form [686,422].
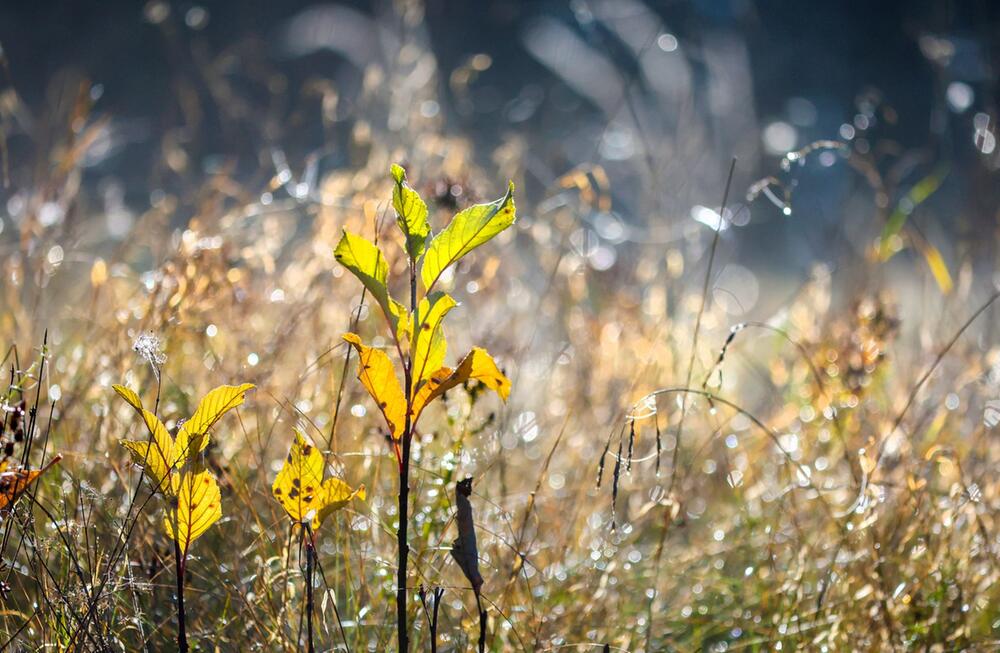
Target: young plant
[417,331]
[191,493]
[308,499]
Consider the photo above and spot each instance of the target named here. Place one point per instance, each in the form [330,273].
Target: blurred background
[657,95]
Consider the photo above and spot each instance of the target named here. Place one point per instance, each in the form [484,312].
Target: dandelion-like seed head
[147,345]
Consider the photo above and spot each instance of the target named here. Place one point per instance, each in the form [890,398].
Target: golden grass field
[828,484]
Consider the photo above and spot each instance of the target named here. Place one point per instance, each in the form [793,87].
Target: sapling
[416,332]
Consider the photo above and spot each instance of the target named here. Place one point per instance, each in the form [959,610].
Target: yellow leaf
[431,390]
[477,364]
[161,455]
[195,505]
[156,455]
[917,195]
[336,495]
[428,343]
[938,268]
[468,230]
[411,213]
[300,489]
[367,262]
[14,483]
[129,396]
[153,424]
[192,436]
[299,485]
[377,375]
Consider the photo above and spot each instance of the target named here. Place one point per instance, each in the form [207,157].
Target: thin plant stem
[697,326]
[182,645]
[309,593]
[403,546]
[326,585]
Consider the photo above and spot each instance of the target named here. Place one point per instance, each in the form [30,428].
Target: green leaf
[367,262]
[468,230]
[428,343]
[411,213]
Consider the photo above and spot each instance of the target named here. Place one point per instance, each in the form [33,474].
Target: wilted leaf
[14,483]
[468,230]
[411,213]
[464,549]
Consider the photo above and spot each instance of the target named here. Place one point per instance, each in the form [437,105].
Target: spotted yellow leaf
[194,505]
[377,375]
[431,390]
[467,230]
[477,364]
[301,490]
[367,262]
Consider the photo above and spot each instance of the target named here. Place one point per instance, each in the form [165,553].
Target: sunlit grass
[833,487]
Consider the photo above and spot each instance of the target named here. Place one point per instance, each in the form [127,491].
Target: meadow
[653,468]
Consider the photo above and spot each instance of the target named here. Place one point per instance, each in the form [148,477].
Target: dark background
[802,48]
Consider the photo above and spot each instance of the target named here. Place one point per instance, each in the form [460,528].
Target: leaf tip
[398,173]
